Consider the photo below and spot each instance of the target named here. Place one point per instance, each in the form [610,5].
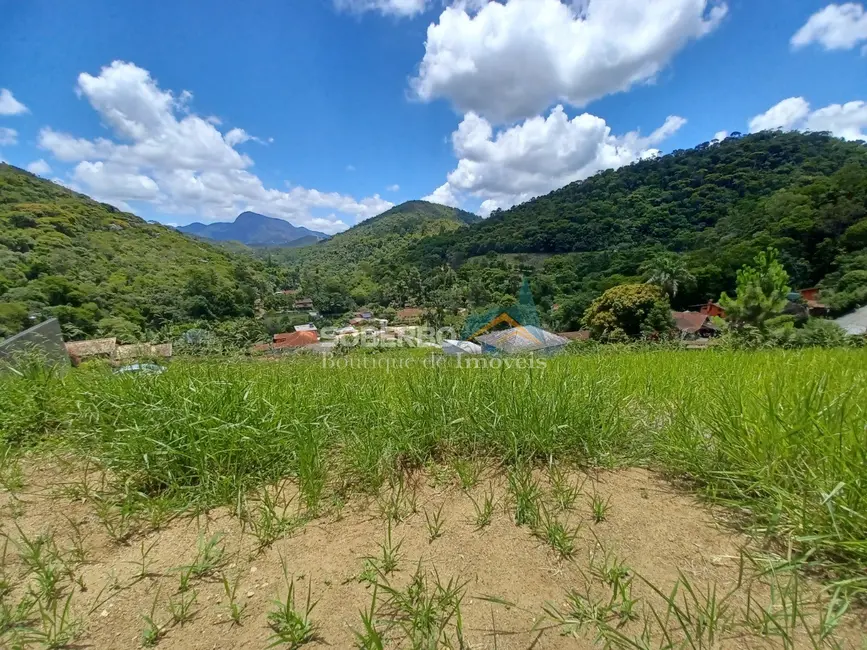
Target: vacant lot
[639,500]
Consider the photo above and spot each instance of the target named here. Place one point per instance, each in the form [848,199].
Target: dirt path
[660,534]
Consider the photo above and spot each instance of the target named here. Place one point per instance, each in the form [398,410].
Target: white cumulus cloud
[39,167]
[9,105]
[784,115]
[836,27]
[8,136]
[393,188]
[539,155]
[163,153]
[444,195]
[513,60]
[401,8]
[848,121]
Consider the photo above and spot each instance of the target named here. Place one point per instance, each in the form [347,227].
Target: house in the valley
[815,305]
[107,348]
[142,351]
[693,324]
[294,340]
[92,349]
[306,327]
[711,309]
[303,304]
[410,315]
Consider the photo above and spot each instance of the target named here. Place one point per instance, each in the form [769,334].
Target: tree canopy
[101,271]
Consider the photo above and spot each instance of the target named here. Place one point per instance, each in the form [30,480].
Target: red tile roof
[295,340]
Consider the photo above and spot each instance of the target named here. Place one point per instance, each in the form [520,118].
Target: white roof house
[306,327]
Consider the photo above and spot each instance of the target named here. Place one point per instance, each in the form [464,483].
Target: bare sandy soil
[513,586]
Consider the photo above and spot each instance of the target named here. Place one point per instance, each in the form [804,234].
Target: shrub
[629,311]
[821,333]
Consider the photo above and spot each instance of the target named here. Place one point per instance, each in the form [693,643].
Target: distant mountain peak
[254,229]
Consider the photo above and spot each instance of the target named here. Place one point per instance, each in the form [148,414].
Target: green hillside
[102,271]
[367,263]
[716,205]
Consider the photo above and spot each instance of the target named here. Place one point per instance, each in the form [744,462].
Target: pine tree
[762,292]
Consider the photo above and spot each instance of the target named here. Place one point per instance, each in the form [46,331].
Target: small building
[104,348]
[812,297]
[810,294]
[410,315]
[693,324]
[364,315]
[108,348]
[356,321]
[142,351]
[283,337]
[303,304]
[306,327]
[295,340]
[711,309]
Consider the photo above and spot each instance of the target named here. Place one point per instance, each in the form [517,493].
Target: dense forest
[367,264]
[715,206]
[704,212]
[105,272]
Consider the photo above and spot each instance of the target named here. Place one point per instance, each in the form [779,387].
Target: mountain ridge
[252,229]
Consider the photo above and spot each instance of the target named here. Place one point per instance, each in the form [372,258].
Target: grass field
[777,438]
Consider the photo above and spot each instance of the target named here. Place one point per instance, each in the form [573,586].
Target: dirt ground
[513,582]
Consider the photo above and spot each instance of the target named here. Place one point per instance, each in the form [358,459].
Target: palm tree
[668,272]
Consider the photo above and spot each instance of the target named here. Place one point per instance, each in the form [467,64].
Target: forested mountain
[713,207]
[367,263]
[102,271]
[254,229]
[716,205]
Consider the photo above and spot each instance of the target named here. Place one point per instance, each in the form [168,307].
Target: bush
[821,333]
[816,333]
[629,311]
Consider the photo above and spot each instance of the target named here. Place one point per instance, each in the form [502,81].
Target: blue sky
[327,112]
